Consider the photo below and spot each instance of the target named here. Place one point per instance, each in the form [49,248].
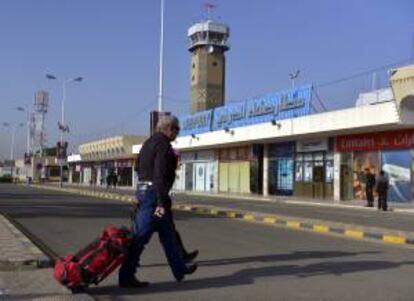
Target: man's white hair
[166,121]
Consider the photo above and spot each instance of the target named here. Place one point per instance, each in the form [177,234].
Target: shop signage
[281,150]
[236,153]
[124,163]
[188,156]
[195,123]
[281,105]
[205,155]
[312,145]
[376,141]
[74,158]
[277,106]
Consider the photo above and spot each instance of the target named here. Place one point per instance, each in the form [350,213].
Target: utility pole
[161,71]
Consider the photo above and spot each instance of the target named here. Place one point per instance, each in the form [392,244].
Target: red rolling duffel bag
[96,261]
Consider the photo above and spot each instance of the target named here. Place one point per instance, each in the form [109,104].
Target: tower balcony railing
[204,42]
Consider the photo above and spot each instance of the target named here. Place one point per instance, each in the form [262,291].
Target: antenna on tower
[209,7]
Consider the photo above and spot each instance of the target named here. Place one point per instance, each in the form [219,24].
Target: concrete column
[70,179]
[265,170]
[98,176]
[337,177]
[134,178]
[216,174]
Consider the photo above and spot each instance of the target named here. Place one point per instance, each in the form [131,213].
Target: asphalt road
[238,260]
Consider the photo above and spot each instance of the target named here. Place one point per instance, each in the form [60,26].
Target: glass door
[285,176]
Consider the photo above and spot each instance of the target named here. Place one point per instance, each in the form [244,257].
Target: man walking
[187,256]
[156,172]
[382,190]
[369,187]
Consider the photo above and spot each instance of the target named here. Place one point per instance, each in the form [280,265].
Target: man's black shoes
[188,257]
[190,270]
[133,283]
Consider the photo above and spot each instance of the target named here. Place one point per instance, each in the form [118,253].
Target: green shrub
[6,179]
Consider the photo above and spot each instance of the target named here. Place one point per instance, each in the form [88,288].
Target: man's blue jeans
[145,225]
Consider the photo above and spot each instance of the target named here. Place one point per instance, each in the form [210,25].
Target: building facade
[274,146]
[104,160]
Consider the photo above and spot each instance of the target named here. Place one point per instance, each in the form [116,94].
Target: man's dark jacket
[157,163]
[370,181]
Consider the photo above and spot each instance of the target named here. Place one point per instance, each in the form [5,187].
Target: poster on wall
[362,161]
[396,165]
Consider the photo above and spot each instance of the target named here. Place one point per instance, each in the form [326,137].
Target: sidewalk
[351,219]
[25,272]
[354,204]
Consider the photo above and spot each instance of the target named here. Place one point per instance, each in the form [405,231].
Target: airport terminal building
[275,145]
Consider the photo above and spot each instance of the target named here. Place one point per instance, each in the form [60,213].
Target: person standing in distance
[382,190]
[369,187]
[156,172]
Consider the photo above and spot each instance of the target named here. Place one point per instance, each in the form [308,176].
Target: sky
[114,46]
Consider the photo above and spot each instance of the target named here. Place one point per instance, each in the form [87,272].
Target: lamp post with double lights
[22,109]
[28,153]
[14,128]
[293,76]
[161,66]
[63,128]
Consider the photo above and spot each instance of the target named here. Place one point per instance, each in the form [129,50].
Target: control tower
[208,43]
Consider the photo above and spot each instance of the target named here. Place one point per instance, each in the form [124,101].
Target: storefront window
[299,168]
[318,157]
[329,168]
[308,172]
[329,171]
[363,161]
[308,168]
[299,172]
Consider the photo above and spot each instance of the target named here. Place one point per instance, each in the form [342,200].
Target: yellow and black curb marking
[319,228]
[292,223]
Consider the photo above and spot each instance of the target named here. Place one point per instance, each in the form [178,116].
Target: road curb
[37,257]
[323,227]
[316,226]
[290,201]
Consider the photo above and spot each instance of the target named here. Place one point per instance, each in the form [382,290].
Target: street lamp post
[22,109]
[293,76]
[63,128]
[6,124]
[161,72]
[13,136]
[28,154]
[15,127]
